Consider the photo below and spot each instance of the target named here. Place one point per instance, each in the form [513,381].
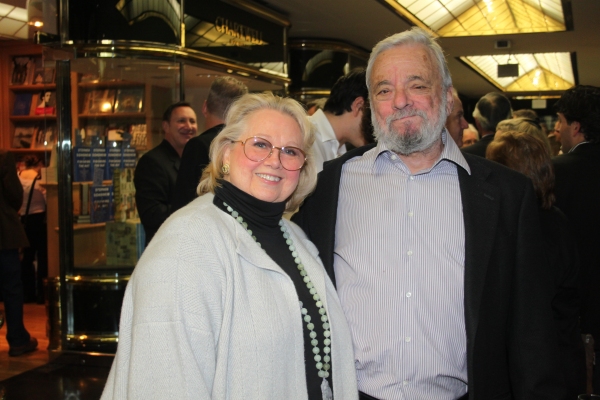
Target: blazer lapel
[481,203]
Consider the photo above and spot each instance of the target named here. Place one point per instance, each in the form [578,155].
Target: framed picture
[24,135]
[99,101]
[129,100]
[21,70]
[44,103]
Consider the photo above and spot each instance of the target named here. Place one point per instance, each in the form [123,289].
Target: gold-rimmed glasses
[258,149]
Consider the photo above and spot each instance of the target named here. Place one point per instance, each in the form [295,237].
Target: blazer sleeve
[12,190]
[193,161]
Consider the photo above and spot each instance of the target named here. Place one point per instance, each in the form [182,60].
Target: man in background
[340,120]
[470,136]
[156,171]
[223,91]
[577,190]
[489,110]
[456,122]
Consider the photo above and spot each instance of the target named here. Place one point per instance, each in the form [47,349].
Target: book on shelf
[124,242]
[138,136]
[21,70]
[44,102]
[45,137]
[99,101]
[129,100]
[84,204]
[94,135]
[22,105]
[41,74]
[82,161]
[124,194]
[24,136]
[101,199]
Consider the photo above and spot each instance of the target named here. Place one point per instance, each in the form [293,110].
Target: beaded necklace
[322,362]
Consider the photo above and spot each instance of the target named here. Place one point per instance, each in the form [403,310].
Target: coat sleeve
[11,185]
[193,162]
[533,344]
[152,194]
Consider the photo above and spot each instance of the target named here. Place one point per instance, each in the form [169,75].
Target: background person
[33,217]
[528,154]
[12,237]
[224,90]
[156,171]
[525,125]
[470,136]
[489,111]
[231,298]
[456,122]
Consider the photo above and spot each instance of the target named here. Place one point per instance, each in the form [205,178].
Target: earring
[225,169]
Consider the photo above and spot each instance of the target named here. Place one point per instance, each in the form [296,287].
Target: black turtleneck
[263,219]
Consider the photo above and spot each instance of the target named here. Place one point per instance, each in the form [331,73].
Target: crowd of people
[431,259]
[372,245]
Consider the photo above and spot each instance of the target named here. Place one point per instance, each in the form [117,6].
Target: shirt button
[410,214]
[409,252]
[412,178]
[405,383]
[407,339]
[408,294]
[393,157]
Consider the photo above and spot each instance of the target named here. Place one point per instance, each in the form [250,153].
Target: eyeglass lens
[257,149]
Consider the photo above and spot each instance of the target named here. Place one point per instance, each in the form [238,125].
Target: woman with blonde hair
[525,125]
[230,300]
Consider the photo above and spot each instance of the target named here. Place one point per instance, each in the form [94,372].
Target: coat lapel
[481,204]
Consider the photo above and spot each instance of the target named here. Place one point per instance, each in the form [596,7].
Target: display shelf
[32,88]
[108,84]
[33,118]
[139,115]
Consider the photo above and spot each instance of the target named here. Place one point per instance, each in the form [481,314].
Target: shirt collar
[323,127]
[450,152]
[576,146]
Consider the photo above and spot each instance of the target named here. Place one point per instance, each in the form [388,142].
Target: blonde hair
[235,127]
[525,125]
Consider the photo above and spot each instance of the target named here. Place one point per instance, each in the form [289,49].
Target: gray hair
[223,91]
[236,126]
[491,109]
[412,36]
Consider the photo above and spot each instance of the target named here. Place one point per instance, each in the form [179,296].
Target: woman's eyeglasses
[258,149]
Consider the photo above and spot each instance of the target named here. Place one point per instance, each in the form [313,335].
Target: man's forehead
[415,60]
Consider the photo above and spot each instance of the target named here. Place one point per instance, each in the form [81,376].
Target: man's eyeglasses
[258,149]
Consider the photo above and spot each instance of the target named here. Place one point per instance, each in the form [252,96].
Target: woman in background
[525,125]
[229,300]
[528,154]
[33,217]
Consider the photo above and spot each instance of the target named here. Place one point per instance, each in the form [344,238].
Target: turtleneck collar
[257,213]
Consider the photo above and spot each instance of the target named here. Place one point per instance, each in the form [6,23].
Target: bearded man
[436,255]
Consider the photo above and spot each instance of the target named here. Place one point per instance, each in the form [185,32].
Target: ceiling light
[537,72]
[449,18]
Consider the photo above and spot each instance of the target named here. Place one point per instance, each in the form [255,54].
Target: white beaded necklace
[322,363]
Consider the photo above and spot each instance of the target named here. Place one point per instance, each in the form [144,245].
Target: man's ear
[165,126]
[204,109]
[357,106]
[449,101]
[575,129]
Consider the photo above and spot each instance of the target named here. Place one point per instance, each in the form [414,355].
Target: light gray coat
[208,315]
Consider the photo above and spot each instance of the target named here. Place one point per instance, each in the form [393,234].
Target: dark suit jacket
[154,179]
[511,340]
[479,147]
[12,234]
[577,190]
[194,159]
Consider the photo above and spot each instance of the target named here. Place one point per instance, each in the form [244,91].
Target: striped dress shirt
[399,266]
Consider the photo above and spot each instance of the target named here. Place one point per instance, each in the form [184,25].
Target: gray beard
[413,140]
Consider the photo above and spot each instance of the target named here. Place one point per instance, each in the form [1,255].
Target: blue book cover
[22,104]
[82,161]
[99,160]
[101,207]
[114,160]
[129,157]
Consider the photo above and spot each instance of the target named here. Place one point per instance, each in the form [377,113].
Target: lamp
[35,13]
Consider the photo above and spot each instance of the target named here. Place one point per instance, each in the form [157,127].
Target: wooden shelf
[108,84]
[20,150]
[22,118]
[114,115]
[32,88]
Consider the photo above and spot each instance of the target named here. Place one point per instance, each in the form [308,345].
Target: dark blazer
[12,234]
[577,190]
[154,179]
[479,147]
[194,159]
[511,340]
[561,250]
